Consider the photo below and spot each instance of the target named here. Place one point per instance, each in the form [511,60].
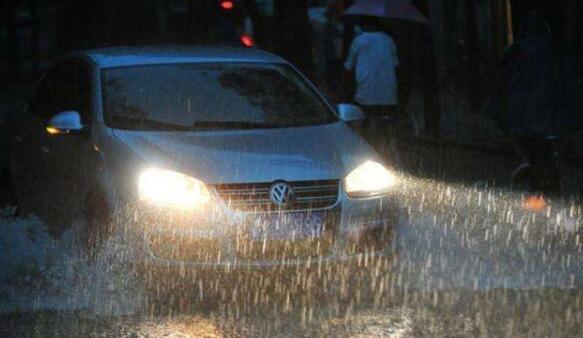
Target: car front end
[263,224]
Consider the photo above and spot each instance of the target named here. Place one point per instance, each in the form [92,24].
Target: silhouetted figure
[537,100]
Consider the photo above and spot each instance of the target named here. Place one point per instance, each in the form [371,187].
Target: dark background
[445,67]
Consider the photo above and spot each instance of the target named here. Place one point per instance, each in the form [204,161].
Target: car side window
[65,87]
[78,94]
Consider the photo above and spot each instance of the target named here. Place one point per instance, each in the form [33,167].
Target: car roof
[148,55]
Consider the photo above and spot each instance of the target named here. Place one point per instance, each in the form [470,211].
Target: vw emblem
[281,194]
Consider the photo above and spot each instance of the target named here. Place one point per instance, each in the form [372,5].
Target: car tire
[8,203]
[96,223]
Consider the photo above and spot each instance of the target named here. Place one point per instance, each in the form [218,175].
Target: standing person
[537,102]
[373,60]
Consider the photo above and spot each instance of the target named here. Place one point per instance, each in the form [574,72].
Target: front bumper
[219,237]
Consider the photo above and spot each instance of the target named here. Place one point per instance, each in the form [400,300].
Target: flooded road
[466,262]
[497,313]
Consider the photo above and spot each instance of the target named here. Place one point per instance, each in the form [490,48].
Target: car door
[26,139]
[48,167]
[68,159]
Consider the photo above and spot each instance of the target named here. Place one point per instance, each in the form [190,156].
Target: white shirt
[373,57]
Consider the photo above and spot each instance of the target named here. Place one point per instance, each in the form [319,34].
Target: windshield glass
[210,96]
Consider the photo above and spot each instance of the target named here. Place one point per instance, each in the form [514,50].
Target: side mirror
[350,112]
[67,122]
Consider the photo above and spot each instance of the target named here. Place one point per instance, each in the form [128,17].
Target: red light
[534,203]
[227,5]
[247,40]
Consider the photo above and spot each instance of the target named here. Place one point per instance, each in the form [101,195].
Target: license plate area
[288,226]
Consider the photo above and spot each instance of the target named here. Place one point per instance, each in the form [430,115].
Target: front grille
[252,197]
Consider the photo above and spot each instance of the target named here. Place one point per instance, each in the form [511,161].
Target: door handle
[44,150]
[18,139]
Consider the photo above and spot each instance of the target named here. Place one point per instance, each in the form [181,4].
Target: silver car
[202,156]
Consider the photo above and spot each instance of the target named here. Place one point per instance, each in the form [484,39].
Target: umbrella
[391,9]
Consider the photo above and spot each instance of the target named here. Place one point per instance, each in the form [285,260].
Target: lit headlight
[171,189]
[369,179]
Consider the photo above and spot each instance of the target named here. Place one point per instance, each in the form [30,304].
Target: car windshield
[183,97]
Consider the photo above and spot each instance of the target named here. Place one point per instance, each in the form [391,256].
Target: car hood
[264,155]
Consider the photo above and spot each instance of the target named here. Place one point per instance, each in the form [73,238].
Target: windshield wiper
[217,125]
[148,124]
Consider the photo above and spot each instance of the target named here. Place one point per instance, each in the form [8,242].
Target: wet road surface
[467,262]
